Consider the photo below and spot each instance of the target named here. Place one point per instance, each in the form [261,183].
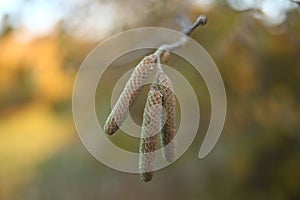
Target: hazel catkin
[168,131]
[150,129]
[132,88]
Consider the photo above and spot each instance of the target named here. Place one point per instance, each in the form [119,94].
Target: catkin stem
[158,64]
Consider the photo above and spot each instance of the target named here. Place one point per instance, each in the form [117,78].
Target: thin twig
[201,21]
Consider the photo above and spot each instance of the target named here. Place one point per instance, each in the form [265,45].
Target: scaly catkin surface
[168,131]
[132,88]
[150,129]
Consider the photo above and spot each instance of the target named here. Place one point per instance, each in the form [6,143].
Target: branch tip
[201,20]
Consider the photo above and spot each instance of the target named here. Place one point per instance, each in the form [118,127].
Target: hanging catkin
[132,88]
[150,129]
[168,131]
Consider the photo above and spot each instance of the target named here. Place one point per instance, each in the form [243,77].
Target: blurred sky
[79,16]
[270,11]
[40,17]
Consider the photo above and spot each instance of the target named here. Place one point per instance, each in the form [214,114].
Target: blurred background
[256,46]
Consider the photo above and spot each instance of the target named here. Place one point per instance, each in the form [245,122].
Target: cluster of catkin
[159,114]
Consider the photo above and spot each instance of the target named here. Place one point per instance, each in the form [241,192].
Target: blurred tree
[258,154]
[5,26]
